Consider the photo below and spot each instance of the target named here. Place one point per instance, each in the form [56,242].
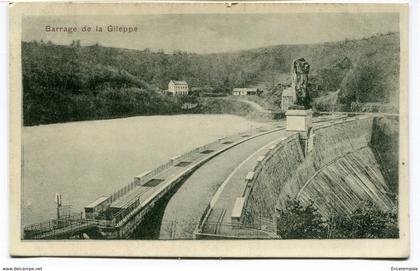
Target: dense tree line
[65,83]
[303,221]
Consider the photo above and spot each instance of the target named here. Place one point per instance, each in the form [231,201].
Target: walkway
[145,193]
[234,185]
[191,200]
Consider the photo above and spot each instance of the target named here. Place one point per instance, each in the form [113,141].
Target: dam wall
[385,143]
[338,174]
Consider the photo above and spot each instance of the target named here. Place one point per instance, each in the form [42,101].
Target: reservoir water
[85,160]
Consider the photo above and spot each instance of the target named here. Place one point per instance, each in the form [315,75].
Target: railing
[212,202]
[258,167]
[215,230]
[51,226]
[153,173]
[109,219]
[76,220]
[178,229]
[131,206]
[116,218]
[69,230]
[120,215]
[218,227]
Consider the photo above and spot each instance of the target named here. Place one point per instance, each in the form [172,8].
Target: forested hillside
[365,71]
[75,82]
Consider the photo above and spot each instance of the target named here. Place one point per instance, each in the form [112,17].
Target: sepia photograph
[210,124]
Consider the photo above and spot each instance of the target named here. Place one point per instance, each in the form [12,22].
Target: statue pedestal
[298,120]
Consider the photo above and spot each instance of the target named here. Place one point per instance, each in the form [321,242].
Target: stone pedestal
[298,120]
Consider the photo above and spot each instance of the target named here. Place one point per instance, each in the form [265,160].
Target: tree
[367,82]
[365,222]
[303,221]
[299,221]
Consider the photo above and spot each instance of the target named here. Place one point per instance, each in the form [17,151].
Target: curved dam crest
[339,173]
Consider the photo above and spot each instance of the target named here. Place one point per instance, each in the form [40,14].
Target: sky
[213,33]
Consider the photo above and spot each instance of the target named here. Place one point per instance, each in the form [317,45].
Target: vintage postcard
[209,130]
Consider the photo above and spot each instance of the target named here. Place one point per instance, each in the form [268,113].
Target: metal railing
[52,226]
[151,174]
[218,230]
[74,222]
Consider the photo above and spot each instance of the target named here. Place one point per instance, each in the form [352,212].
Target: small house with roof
[288,98]
[178,87]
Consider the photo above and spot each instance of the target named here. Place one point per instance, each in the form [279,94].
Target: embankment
[211,105]
[340,172]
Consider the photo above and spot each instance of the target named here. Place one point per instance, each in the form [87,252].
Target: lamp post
[58,200]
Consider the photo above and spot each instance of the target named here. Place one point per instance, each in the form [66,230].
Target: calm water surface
[85,160]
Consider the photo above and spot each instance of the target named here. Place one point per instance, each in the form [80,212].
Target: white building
[244,91]
[288,98]
[178,87]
